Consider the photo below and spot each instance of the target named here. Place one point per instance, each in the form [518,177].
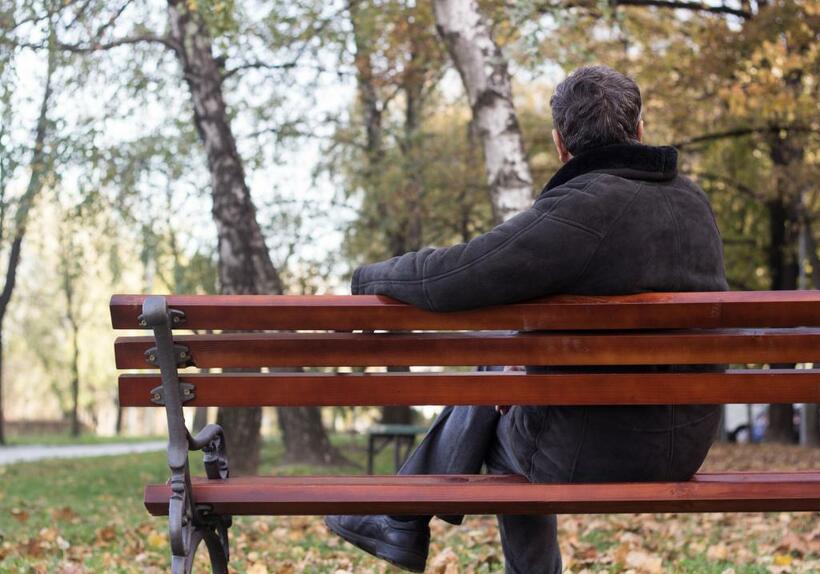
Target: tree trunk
[200,419]
[2,414]
[486,78]
[75,383]
[302,430]
[242,426]
[809,425]
[245,266]
[397,415]
[784,264]
[371,106]
[368,94]
[39,165]
[809,257]
[784,271]
[118,421]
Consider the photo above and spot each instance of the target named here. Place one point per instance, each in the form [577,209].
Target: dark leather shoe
[403,544]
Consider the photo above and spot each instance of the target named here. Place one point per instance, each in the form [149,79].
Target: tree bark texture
[245,266]
[484,72]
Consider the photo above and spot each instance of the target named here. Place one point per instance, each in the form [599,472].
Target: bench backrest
[747,329]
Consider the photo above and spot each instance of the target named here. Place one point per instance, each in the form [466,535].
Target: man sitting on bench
[616,218]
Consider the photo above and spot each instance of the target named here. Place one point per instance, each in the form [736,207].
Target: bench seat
[499,494]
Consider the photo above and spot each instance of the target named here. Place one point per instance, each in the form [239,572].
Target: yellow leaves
[156,539]
[729,543]
[782,560]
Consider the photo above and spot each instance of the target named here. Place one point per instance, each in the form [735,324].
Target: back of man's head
[596,106]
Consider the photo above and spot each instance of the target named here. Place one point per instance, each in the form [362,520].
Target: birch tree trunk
[486,78]
[245,266]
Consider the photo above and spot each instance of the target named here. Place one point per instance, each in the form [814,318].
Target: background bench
[403,438]
[745,329]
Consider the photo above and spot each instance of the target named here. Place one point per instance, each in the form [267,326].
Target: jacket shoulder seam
[583,271]
[676,226]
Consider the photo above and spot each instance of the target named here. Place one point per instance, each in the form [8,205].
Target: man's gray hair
[596,106]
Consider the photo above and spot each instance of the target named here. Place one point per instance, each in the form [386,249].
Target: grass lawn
[86,515]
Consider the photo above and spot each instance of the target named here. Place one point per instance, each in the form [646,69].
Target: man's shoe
[403,544]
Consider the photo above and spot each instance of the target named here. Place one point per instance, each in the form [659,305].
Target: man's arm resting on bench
[531,255]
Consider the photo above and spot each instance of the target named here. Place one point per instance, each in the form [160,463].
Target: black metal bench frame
[189,524]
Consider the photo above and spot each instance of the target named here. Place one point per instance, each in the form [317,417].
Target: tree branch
[257,66]
[127,40]
[740,132]
[684,5]
[593,7]
[284,66]
[113,19]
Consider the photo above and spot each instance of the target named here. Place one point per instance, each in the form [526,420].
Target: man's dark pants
[563,444]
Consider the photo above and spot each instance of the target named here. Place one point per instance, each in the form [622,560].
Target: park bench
[748,330]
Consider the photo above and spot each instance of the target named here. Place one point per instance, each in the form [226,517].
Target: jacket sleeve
[531,255]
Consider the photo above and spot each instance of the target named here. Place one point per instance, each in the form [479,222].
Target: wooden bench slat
[643,311]
[483,348]
[372,389]
[794,491]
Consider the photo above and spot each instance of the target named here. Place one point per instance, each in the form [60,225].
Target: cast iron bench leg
[188,523]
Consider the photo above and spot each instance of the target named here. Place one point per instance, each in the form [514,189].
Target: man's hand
[504,409]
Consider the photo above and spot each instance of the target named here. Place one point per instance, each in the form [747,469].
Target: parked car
[748,423]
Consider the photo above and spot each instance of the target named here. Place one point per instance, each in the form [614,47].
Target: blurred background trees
[216,146]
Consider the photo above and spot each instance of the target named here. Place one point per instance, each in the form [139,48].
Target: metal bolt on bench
[738,328]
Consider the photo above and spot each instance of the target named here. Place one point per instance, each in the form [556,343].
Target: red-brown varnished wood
[463,495]
[644,311]
[487,348]
[326,389]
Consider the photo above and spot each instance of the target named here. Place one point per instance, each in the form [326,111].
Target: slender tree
[39,167]
[70,271]
[245,265]
[244,262]
[484,71]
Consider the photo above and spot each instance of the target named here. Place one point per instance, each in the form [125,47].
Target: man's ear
[640,131]
[563,154]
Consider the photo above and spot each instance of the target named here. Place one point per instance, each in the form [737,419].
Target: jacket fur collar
[632,161]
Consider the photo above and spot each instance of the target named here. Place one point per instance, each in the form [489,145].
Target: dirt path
[25,453]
